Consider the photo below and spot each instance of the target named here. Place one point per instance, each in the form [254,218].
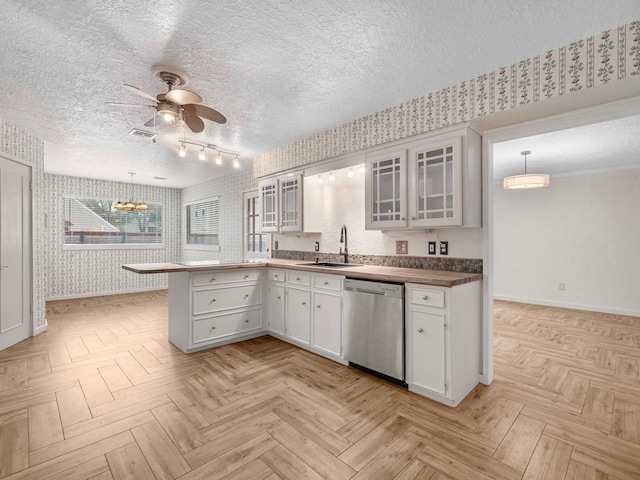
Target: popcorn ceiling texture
[607,58]
[463,265]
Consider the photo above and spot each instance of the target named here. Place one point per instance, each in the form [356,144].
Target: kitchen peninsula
[213,304]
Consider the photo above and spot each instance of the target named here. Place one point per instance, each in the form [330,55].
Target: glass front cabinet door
[281,203]
[385,189]
[435,192]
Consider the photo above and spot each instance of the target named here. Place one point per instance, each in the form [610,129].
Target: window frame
[199,246]
[112,246]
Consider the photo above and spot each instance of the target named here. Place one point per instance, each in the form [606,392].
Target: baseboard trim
[101,294]
[41,328]
[550,303]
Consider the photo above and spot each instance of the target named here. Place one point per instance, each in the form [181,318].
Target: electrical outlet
[432,248]
[401,247]
[317,247]
[444,248]
[275,244]
[562,287]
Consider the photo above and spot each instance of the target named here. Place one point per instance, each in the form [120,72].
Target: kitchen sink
[329,264]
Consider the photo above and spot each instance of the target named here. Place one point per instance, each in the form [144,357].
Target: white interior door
[15,253]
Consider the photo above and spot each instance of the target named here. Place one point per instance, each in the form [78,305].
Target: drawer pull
[275,276]
[317,306]
[279,297]
[246,276]
[213,279]
[213,328]
[304,303]
[246,296]
[297,279]
[425,297]
[420,330]
[212,300]
[246,320]
[326,283]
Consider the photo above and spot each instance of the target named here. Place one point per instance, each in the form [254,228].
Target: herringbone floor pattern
[103,395]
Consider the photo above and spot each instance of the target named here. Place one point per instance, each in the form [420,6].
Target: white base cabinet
[443,329]
[213,308]
[309,314]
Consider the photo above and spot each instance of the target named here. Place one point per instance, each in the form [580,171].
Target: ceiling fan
[176,104]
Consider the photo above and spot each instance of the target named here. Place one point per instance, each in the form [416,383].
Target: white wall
[583,231]
[229,188]
[343,204]
[73,273]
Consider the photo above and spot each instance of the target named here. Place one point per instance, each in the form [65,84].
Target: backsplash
[462,265]
[601,59]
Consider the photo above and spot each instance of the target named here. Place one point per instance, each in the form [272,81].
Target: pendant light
[131,205]
[528,180]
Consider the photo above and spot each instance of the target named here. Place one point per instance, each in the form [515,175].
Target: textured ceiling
[278,70]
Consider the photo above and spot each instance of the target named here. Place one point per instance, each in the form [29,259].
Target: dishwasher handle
[362,290]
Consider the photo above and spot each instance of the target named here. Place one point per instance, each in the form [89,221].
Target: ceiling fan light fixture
[168,111]
[526,180]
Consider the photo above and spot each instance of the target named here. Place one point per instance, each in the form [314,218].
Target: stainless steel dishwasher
[373,335]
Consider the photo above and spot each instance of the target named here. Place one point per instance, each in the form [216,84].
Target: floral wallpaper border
[601,59]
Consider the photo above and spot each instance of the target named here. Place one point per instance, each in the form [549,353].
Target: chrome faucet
[343,239]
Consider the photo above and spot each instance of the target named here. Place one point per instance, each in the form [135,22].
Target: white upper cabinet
[281,201]
[434,181]
[385,189]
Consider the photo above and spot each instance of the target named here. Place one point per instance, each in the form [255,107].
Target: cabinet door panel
[269,206]
[276,308]
[385,190]
[428,350]
[327,322]
[298,316]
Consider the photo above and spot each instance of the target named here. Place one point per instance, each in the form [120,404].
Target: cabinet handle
[425,297]
[326,283]
[279,297]
[304,303]
[297,279]
[212,300]
[420,330]
[246,276]
[213,279]
[246,296]
[246,320]
[317,306]
[275,276]
[403,218]
[213,328]
[413,218]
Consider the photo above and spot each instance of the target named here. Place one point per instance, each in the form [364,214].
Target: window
[256,244]
[203,223]
[95,223]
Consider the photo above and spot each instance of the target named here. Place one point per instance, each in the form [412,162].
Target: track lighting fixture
[236,162]
[183,150]
[202,152]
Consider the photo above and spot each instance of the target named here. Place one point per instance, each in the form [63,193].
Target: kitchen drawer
[426,297]
[215,299]
[210,328]
[277,275]
[216,277]
[328,282]
[299,278]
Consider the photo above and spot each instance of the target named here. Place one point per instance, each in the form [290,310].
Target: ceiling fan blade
[208,113]
[137,91]
[129,105]
[182,97]
[193,121]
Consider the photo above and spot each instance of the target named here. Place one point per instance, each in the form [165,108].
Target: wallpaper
[229,188]
[97,272]
[598,60]
[25,148]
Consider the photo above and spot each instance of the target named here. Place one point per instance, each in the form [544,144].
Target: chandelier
[131,205]
[528,180]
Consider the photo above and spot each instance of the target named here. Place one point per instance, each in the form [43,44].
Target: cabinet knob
[425,297]
[246,276]
[317,306]
[212,300]
[213,328]
[304,303]
[326,283]
[213,279]
[246,296]
[297,279]
[420,330]
[246,320]
[279,297]
[275,276]
[403,218]
[413,218]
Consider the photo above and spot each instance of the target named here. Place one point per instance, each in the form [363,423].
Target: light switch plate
[432,248]
[316,247]
[275,244]
[402,247]
[444,248]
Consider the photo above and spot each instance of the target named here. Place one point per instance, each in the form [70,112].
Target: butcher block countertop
[363,272]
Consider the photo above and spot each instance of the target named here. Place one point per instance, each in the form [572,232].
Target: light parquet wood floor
[102,394]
